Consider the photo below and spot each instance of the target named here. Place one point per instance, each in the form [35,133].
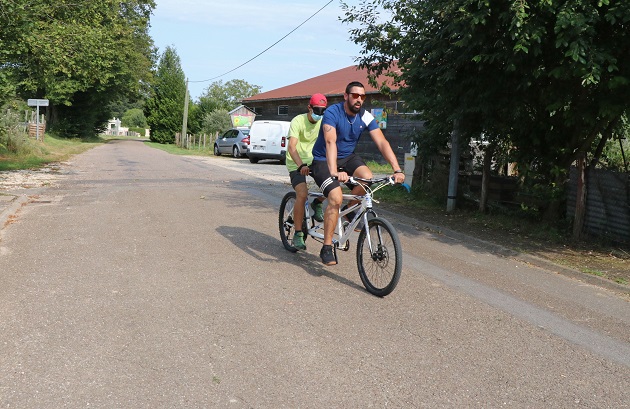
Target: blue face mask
[316,117]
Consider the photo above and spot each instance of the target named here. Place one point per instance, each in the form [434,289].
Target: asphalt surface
[148,280]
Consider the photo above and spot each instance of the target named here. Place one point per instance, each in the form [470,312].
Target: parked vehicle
[268,140]
[233,141]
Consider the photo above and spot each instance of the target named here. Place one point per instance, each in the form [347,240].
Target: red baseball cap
[318,100]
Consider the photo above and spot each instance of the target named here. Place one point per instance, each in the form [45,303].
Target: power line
[268,48]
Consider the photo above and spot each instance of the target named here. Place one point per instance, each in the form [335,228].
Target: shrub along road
[143,279]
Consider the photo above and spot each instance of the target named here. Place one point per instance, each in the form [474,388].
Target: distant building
[242,117]
[114,128]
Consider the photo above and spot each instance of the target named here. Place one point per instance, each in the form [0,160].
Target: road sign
[37,102]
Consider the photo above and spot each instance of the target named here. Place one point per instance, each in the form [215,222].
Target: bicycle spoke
[379,257]
[286,222]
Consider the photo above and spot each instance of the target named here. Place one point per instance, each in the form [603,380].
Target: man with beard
[334,160]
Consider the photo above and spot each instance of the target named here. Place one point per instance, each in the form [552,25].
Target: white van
[268,140]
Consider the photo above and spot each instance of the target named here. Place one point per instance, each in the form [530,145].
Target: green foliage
[134,118]
[210,113]
[616,155]
[35,154]
[121,105]
[545,78]
[216,121]
[226,96]
[195,120]
[164,110]
[76,55]
[13,139]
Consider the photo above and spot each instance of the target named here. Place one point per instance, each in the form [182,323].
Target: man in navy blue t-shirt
[333,156]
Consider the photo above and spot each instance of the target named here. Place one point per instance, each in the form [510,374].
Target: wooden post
[185,119]
[580,200]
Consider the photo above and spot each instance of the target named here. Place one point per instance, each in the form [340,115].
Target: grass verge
[36,154]
[175,150]
[512,228]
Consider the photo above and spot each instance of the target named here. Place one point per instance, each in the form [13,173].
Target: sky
[214,37]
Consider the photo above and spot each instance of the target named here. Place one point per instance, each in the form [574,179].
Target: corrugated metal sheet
[607,203]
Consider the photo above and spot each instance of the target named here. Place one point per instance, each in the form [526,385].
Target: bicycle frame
[361,209]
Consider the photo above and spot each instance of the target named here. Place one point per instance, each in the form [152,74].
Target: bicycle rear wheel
[381,267]
[286,222]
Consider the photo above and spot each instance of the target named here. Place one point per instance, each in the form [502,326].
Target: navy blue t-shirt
[349,130]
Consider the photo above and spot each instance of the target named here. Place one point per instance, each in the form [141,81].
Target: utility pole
[185,122]
[454,170]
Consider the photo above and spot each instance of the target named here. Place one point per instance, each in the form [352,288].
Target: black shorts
[321,173]
[296,178]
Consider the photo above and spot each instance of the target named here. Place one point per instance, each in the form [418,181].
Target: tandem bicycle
[378,248]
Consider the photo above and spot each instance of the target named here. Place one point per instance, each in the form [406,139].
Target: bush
[13,139]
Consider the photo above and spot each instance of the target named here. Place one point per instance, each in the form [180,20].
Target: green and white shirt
[306,133]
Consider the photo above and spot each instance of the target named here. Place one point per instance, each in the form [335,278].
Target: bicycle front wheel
[286,222]
[379,257]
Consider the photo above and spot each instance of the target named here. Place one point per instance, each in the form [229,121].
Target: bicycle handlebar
[355,180]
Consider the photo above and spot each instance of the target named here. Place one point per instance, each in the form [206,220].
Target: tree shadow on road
[254,243]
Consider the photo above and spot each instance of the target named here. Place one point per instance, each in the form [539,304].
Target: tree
[226,96]
[134,118]
[195,119]
[164,110]
[549,77]
[120,106]
[79,56]
[217,121]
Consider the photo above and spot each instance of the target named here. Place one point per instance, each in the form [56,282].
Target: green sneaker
[317,207]
[298,241]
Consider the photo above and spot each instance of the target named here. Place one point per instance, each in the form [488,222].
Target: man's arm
[292,148]
[388,153]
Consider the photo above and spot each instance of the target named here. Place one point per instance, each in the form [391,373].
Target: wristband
[398,171]
[301,166]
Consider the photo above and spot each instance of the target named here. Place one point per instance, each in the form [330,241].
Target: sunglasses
[318,110]
[357,95]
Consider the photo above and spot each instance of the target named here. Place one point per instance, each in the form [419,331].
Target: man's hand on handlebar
[399,177]
[305,171]
[342,177]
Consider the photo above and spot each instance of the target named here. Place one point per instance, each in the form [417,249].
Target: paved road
[146,280]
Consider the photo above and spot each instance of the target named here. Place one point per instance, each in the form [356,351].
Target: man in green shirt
[303,132]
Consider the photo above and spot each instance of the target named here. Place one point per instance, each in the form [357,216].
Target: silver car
[234,141]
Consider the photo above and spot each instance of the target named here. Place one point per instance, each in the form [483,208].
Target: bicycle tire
[286,222]
[380,271]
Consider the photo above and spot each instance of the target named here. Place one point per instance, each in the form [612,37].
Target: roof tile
[333,83]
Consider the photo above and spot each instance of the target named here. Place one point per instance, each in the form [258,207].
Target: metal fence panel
[607,203]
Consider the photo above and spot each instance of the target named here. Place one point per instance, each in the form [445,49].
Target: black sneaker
[327,255]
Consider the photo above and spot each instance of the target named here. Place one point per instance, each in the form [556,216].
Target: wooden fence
[32,130]
[196,142]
